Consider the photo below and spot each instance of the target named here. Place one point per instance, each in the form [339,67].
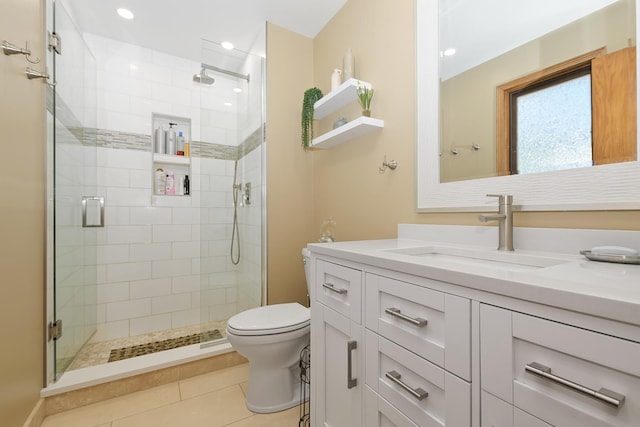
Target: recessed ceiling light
[133,66]
[227,45]
[228,104]
[237,90]
[449,52]
[125,13]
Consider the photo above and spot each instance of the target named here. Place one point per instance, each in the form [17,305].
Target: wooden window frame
[505,91]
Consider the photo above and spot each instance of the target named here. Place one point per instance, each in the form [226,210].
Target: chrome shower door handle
[418,321]
[603,395]
[351,382]
[94,205]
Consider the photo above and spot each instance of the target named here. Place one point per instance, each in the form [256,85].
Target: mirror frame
[603,187]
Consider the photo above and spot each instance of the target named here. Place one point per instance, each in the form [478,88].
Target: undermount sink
[479,257]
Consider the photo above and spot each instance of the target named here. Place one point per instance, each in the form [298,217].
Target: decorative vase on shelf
[348,66]
[366,113]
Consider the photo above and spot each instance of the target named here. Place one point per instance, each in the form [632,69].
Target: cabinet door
[337,357]
[380,413]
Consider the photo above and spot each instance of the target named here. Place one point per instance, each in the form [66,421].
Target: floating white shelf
[353,129]
[171,160]
[345,93]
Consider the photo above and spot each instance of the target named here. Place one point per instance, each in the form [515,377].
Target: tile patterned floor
[97,353]
[215,399]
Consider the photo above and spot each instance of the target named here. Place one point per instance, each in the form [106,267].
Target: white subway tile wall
[160,262]
[149,251]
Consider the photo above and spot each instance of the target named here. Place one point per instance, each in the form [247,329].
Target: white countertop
[607,290]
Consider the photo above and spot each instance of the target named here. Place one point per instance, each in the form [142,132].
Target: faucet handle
[503,199]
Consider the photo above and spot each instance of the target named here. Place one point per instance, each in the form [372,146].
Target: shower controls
[247,194]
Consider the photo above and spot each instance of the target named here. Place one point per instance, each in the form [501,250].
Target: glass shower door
[77,209]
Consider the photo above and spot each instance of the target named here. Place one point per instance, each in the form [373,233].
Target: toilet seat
[270,320]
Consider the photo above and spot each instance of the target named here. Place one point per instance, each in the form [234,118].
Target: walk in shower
[130,270]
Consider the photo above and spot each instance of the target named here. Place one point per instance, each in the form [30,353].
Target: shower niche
[171,156]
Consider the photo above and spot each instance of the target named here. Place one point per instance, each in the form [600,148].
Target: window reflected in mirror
[563,98]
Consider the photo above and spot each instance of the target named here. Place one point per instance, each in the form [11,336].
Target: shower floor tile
[97,353]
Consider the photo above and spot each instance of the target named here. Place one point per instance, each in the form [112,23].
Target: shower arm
[223,71]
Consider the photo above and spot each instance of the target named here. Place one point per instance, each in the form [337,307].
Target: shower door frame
[71,310]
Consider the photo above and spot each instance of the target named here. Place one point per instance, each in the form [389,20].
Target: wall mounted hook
[391,164]
[11,49]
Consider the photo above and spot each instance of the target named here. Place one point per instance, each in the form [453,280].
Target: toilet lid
[270,319]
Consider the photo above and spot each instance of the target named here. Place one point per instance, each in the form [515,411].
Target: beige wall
[346,182]
[289,189]
[22,216]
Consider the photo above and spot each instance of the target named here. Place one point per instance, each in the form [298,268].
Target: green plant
[364,96]
[310,97]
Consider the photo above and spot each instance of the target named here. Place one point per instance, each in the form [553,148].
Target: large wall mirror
[535,99]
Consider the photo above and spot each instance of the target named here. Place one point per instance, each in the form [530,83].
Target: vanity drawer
[339,288]
[432,324]
[380,413]
[534,357]
[422,391]
[495,412]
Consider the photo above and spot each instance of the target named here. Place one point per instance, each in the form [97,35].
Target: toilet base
[273,390]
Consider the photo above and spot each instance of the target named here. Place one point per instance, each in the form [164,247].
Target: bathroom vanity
[439,328]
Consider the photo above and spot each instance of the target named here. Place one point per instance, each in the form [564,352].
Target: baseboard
[36,416]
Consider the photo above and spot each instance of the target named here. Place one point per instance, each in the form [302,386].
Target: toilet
[271,338]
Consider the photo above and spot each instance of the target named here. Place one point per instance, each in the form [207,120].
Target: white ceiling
[177,26]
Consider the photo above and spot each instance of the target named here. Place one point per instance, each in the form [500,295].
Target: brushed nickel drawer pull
[334,289]
[414,321]
[606,396]
[418,393]
[351,382]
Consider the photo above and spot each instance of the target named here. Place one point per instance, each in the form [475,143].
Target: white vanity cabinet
[411,366]
[554,374]
[337,345]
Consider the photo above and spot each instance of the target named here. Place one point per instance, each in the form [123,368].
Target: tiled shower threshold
[113,371]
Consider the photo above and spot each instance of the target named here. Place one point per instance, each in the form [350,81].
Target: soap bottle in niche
[186,185]
[171,139]
[160,181]
[348,66]
[180,144]
[170,187]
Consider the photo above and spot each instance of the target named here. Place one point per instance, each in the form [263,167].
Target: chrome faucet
[505,221]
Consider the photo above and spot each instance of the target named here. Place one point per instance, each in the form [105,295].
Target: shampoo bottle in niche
[171,139]
[170,187]
[186,185]
[160,181]
[159,141]
[180,144]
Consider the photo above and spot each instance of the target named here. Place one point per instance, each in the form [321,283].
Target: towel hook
[391,164]
[11,49]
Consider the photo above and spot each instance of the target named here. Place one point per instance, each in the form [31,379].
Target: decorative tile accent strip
[76,133]
[251,143]
[168,344]
[215,151]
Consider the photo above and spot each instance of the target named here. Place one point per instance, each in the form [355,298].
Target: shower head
[203,78]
